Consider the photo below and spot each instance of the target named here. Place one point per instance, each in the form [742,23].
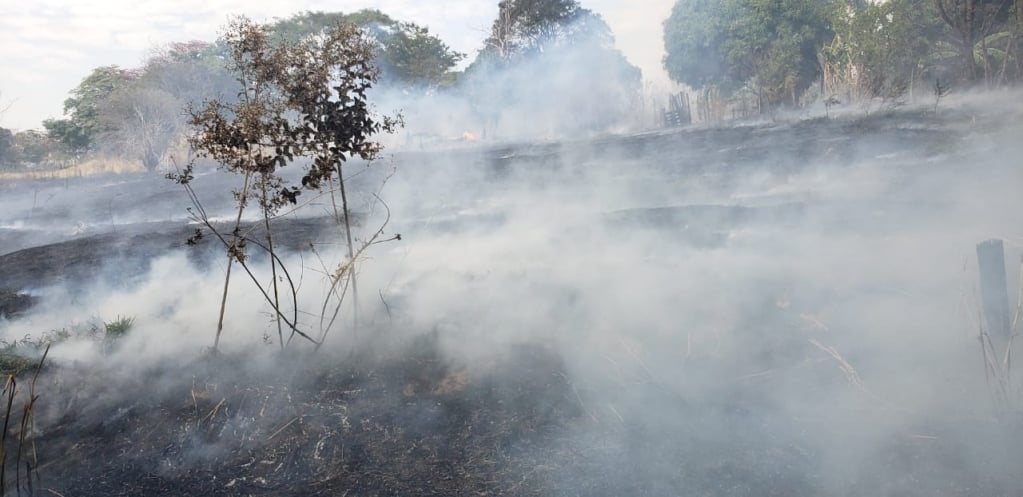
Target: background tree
[407,54]
[7,155]
[694,41]
[411,57]
[140,123]
[769,45]
[83,125]
[973,21]
[32,147]
[310,23]
[190,71]
[524,26]
[554,62]
[883,49]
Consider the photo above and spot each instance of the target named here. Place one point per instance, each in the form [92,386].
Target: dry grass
[26,457]
[94,166]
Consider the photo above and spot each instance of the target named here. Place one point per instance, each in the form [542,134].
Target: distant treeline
[553,64]
[787,52]
[140,113]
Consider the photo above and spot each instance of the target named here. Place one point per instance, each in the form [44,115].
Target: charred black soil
[415,425]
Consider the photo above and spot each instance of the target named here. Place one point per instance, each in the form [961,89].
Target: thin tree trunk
[230,262]
[223,303]
[273,267]
[351,248]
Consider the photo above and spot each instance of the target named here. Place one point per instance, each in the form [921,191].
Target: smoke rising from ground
[783,309]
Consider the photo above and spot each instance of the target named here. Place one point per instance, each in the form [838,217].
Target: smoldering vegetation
[783,308]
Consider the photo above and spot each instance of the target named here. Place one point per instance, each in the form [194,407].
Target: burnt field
[778,308]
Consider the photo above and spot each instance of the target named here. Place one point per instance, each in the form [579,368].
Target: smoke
[787,307]
[776,309]
[576,84]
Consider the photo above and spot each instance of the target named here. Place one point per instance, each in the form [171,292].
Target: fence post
[994,290]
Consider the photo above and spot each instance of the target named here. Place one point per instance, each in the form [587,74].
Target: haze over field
[535,279]
[736,309]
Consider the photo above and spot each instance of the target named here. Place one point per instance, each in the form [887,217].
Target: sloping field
[782,308]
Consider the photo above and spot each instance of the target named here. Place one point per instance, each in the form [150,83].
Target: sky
[48,46]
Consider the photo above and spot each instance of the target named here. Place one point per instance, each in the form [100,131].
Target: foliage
[694,39]
[17,356]
[118,328]
[83,125]
[528,26]
[30,148]
[856,49]
[770,45]
[314,23]
[68,133]
[972,22]
[412,57]
[407,55]
[304,98]
[881,49]
[13,363]
[7,150]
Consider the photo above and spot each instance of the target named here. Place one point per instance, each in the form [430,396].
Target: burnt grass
[414,422]
[407,426]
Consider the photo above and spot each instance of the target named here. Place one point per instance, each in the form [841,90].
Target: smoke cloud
[778,309]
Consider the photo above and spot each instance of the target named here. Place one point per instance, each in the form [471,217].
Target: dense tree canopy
[82,126]
[973,21]
[407,54]
[881,49]
[857,48]
[525,26]
[411,57]
[769,45]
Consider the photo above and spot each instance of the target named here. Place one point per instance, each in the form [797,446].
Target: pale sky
[48,46]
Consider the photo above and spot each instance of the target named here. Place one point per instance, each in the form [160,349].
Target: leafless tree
[142,123]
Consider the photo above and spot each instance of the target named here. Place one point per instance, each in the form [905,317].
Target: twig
[847,369]
[214,411]
[279,430]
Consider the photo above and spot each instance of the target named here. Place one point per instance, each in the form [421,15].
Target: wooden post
[994,291]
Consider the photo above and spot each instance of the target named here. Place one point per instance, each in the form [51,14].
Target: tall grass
[25,454]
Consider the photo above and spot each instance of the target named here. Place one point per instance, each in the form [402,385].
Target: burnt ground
[414,426]
[67,231]
[403,419]
[416,423]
